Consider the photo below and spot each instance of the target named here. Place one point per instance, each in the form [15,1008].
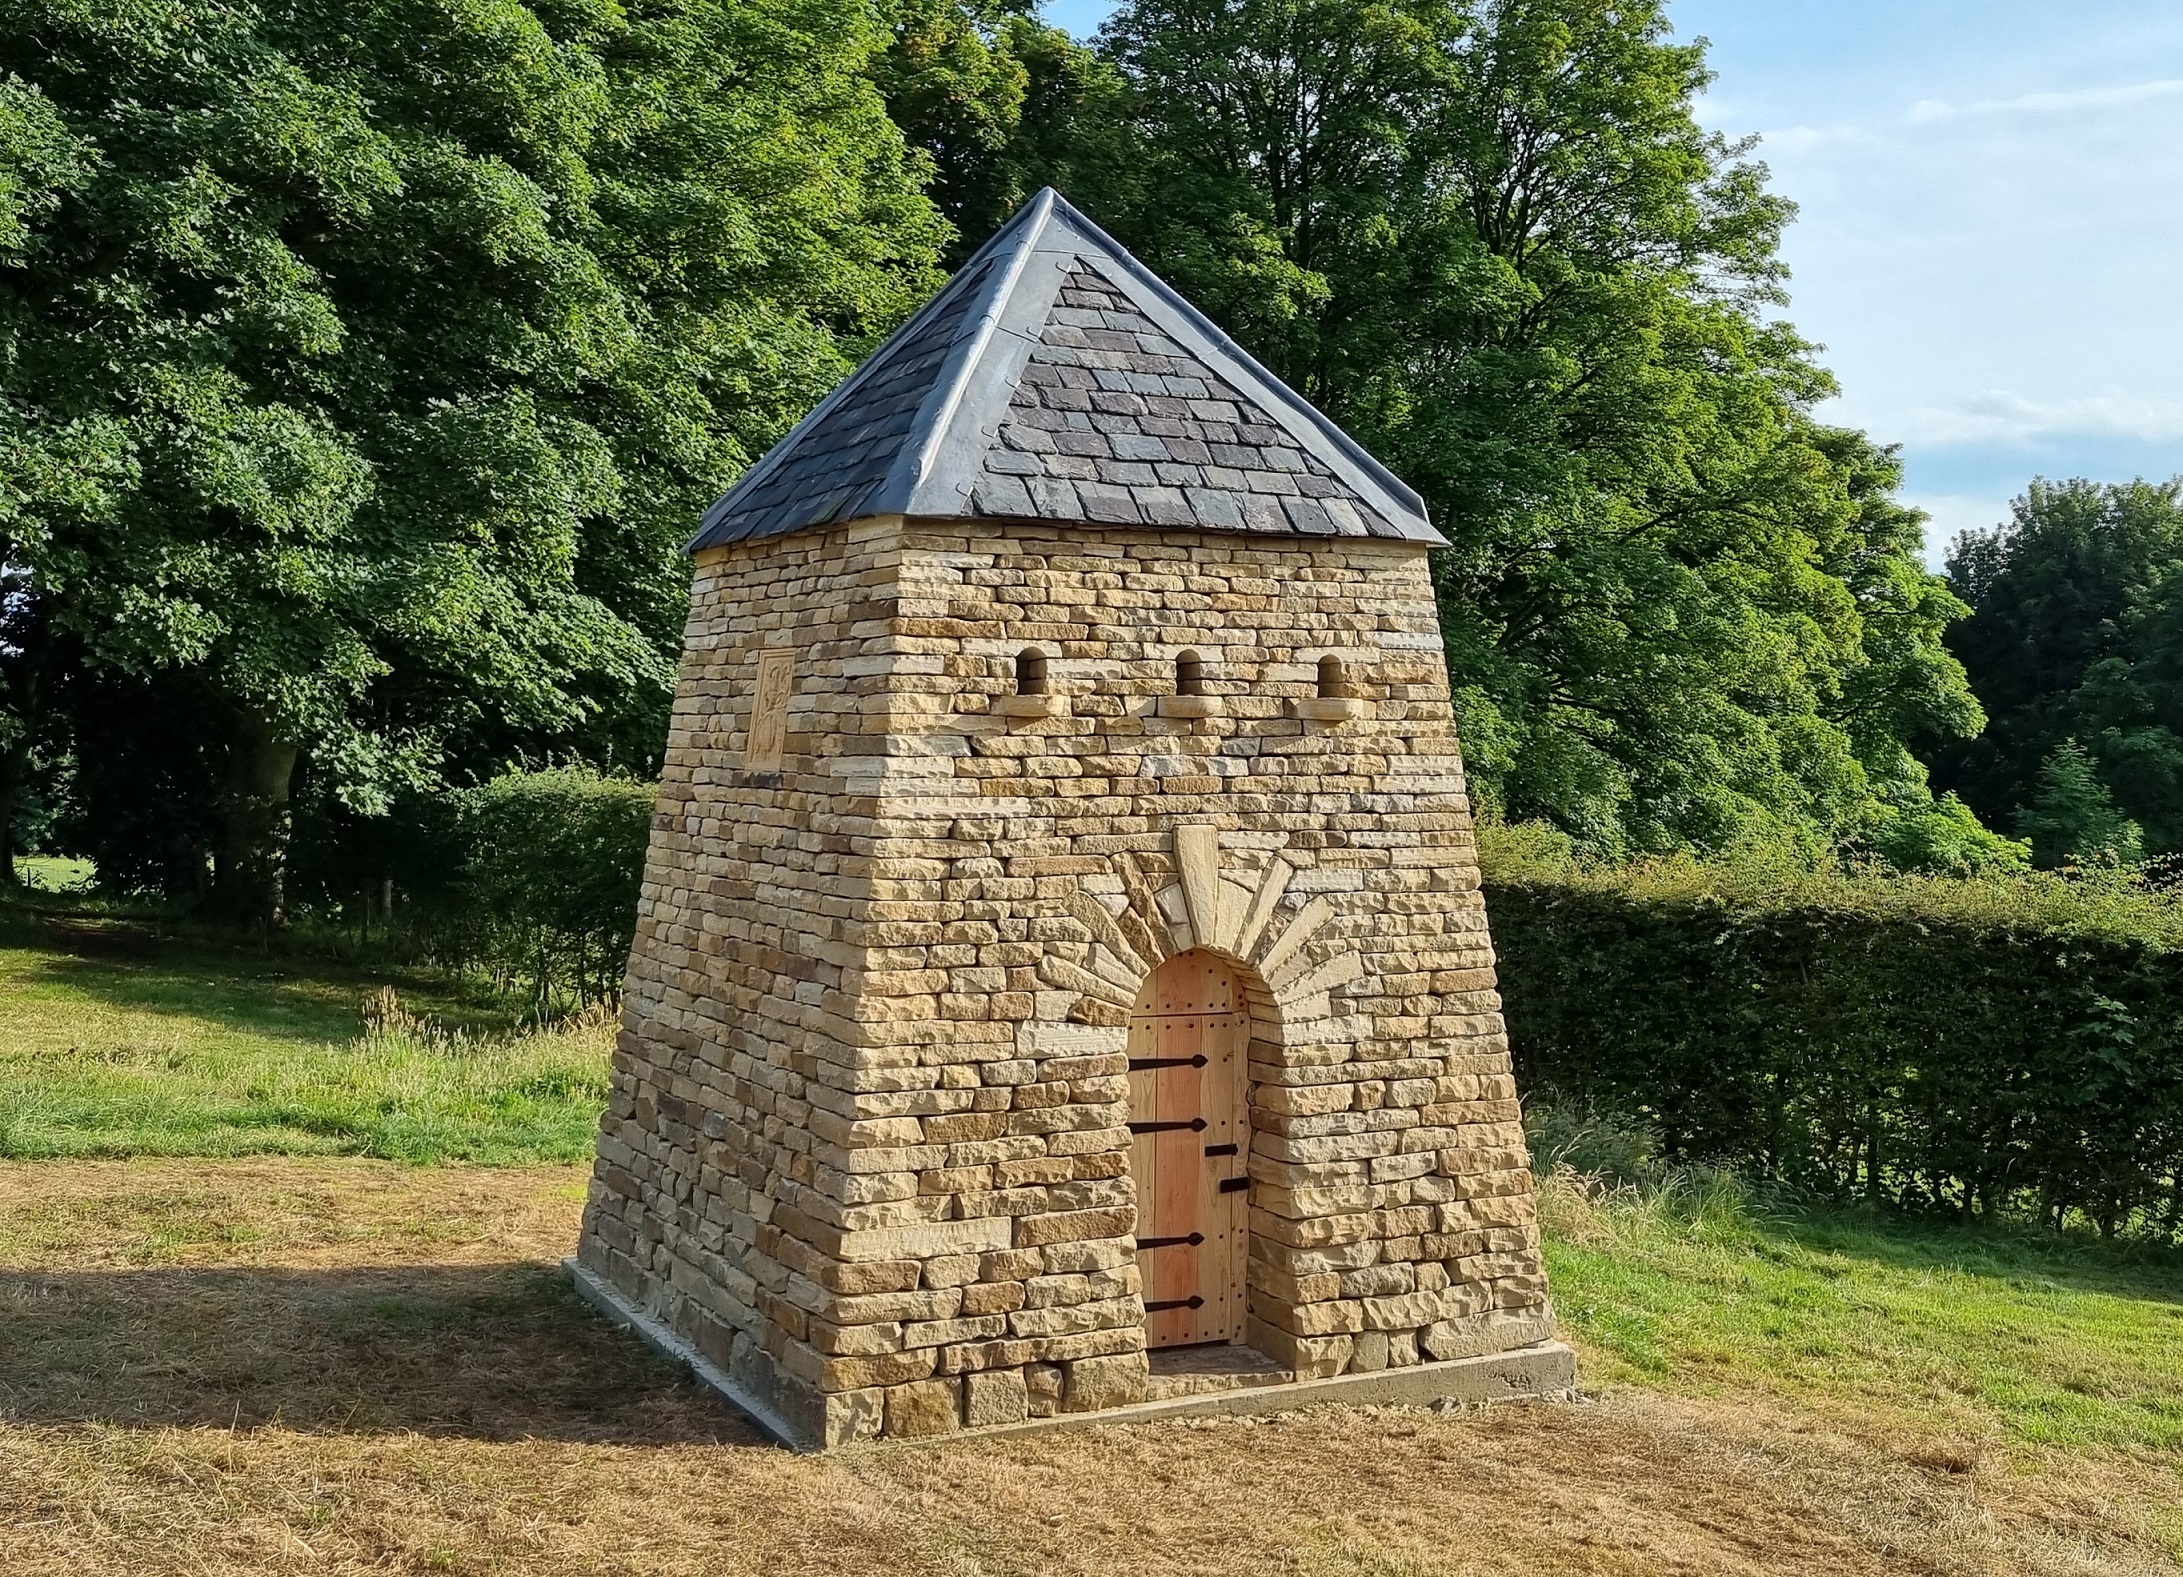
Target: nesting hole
[1334,682]
[1031,672]
[1190,674]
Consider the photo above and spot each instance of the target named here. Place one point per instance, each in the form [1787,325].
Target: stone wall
[868,1148]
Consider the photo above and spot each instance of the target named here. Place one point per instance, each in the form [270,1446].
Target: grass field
[329,1363]
[116,1044]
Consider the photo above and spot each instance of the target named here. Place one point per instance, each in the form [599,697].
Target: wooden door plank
[1231,1209]
[1180,1097]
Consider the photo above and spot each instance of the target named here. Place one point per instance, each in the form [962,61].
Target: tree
[2072,818]
[1000,102]
[362,366]
[2075,645]
[1490,237]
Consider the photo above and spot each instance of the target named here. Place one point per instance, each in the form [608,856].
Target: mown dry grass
[316,1366]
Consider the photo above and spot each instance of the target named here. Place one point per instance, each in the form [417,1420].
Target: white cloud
[2000,416]
[1953,513]
[1926,111]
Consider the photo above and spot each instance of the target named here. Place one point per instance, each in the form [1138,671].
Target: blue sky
[1991,226]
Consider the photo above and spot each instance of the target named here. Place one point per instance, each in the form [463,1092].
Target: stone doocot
[868,1148]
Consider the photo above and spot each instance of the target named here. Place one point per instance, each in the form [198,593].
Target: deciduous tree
[1491,237]
[362,366]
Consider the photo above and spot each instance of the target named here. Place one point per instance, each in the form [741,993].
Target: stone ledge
[1545,1371]
[1332,709]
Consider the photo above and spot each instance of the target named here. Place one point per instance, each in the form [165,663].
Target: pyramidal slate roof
[1056,378]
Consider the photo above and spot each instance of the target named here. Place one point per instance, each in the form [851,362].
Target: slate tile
[1118,403]
[1055,499]
[1008,462]
[1002,495]
[1109,504]
[1308,515]
[1214,411]
[1215,508]
[1274,482]
[1261,513]
[1172,475]
[1163,506]
[1138,446]
[1075,467]
[1280,459]
[1127,473]
[1237,456]
[1094,445]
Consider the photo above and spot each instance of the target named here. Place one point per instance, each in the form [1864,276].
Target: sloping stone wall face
[868,1144]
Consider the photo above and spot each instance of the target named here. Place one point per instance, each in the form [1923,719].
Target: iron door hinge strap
[1174,1303]
[1147,1064]
[1195,1125]
[1235,1185]
[1220,1149]
[1193,1240]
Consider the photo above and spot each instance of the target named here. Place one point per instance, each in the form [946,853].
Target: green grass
[50,873]
[190,1051]
[1679,1284]
[1686,1287]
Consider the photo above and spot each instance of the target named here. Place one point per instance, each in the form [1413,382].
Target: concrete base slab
[668,1345]
[1546,1371]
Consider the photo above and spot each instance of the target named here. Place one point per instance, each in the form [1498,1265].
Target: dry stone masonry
[868,1155]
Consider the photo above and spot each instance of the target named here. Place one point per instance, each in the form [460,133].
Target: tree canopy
[1490,237]
[2075,644]
[362,368]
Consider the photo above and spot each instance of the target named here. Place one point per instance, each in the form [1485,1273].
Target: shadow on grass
[2026,1257]
[306,1002]
[492,1352]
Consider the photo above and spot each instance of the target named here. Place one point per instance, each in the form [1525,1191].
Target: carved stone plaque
[775,683]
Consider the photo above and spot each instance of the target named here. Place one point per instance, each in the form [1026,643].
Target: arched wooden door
[1189,1041]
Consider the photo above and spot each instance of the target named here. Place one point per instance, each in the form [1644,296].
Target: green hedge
[1998,1046]
[551,864]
